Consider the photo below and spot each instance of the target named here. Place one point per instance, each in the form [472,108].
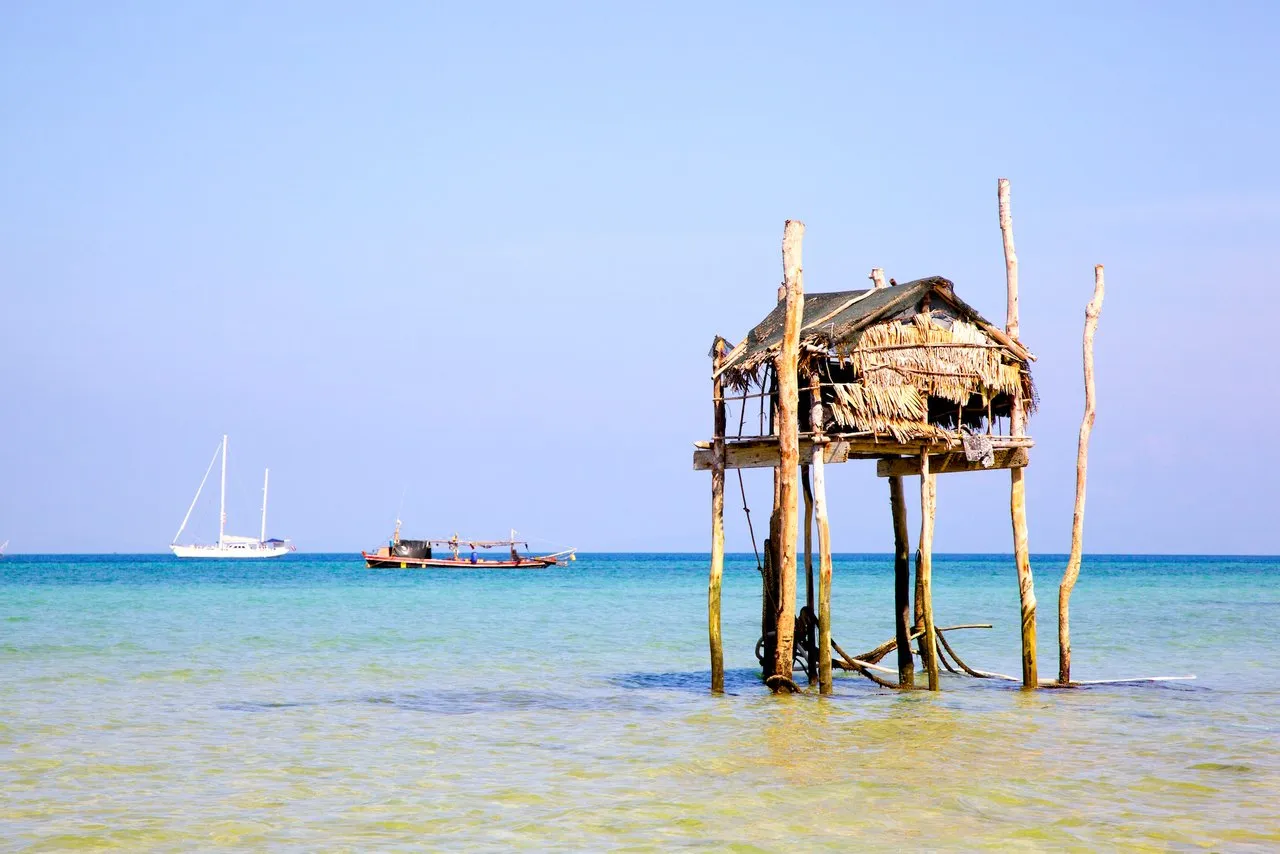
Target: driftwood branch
[942,637]
[877,654]
[865,668]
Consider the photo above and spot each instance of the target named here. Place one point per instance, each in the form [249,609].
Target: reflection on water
[318,705]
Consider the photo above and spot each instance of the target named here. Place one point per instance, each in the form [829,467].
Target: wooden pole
[928,504]
[824,537]
[769,614]
[1017,485]
[917,630]
[769,572]
[807,484]
[788,366]
[768,611]
[901,583]
[1072,572]
[810,641]
[717,524]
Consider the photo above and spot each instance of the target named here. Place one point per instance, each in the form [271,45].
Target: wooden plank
[763,453]
[944,463]
[767,456]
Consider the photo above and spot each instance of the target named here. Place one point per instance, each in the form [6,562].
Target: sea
[311,704]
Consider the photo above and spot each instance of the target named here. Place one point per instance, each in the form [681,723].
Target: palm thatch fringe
[899,365]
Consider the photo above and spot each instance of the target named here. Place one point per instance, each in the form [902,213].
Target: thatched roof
[906,360]
[836,318]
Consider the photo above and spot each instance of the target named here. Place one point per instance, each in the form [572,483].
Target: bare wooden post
[768,611]
[824,537]
[1072,572]
[717,522]
[901,583]
[769,615]
[928,505]
[877,278]
[809,640]
[807,484]
[788,366]
[1017,486]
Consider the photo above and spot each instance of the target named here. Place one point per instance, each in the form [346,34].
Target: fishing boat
[230,545]
[421,554]
[3,546]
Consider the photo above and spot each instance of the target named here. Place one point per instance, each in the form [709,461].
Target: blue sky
[476,253]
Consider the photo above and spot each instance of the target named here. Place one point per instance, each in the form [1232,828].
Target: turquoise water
[311,704]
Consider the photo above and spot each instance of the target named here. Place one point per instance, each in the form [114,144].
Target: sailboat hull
[255,551]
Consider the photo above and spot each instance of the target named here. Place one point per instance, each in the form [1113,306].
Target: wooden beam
[1072,572]
[767,456]
[717,527]
[1017,476]
[787,365]
[949,463]
[763,452]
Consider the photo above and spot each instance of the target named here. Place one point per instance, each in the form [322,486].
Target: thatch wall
[902,375]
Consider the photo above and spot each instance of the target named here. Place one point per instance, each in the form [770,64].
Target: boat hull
[376,561]
[251,551]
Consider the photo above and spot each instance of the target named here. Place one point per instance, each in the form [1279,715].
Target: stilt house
[909,375]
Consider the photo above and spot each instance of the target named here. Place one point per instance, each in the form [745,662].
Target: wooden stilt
[928,499]
[768,610]
[807,485]
[810,641]
[1072,572]
[901,583]
[1017,486]
[824,538]
[717,525]
[787,363]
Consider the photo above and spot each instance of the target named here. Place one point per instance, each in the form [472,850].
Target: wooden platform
[944,456]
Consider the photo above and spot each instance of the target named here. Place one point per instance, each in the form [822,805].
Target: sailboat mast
[265,473]
[222,506]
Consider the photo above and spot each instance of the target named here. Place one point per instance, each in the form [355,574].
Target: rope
[742,420]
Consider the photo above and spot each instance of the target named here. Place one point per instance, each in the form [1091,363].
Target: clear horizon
[475,256]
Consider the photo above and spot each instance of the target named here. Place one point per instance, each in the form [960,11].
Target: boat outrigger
[420,554]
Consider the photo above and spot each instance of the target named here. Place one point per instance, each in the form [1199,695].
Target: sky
[464,262]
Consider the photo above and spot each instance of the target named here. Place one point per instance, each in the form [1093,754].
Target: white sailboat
[229,545]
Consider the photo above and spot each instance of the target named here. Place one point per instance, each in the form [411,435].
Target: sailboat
[229,545]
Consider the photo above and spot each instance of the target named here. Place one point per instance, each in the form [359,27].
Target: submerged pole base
[779,683]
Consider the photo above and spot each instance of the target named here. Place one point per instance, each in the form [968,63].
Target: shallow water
[309,703]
